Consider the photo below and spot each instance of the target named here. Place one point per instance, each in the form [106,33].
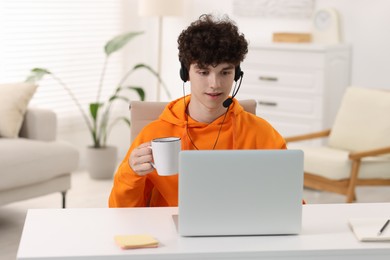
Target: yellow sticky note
[136,241]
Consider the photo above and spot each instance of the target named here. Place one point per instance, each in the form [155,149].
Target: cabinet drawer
[300,81]
[287,129]
[291,127]
[285,106]
[298,87]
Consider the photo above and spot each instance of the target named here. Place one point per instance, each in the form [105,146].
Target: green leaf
[140,65]
[126,120]
[40,70]
[112,98]
[140,91]
[119,41]
[151,70]
[117,89]
[37,74]
[94,108]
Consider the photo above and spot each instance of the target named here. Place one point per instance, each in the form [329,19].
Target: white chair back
[144,112]
[363,120]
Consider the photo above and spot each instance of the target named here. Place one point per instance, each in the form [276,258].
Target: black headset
[185,77]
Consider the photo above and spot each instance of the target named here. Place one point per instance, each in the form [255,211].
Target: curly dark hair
[210,41]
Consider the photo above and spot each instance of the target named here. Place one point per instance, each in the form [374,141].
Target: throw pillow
[14,99]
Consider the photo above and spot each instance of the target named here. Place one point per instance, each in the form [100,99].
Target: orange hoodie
[240,130]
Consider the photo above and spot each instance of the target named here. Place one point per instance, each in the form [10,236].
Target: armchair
[358,148]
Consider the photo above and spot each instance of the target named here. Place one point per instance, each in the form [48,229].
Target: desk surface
[89,234]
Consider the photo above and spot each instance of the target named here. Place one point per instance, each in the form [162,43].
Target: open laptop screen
[240,192]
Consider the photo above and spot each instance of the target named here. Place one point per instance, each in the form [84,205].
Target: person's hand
[140,159]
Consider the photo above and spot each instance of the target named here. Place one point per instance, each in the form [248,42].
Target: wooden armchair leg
[351,194]
[63,193]
[351,198]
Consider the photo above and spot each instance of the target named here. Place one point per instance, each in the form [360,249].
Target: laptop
[240,192]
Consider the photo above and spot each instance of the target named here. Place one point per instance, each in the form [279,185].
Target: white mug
[166,155]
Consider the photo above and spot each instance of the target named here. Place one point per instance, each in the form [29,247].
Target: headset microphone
[229,100]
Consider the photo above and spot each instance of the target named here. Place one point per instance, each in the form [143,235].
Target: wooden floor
[88,193]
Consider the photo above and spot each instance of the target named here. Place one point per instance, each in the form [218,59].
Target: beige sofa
[35,163]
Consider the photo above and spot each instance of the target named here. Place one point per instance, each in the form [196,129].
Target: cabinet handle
[267,103]
[265,78]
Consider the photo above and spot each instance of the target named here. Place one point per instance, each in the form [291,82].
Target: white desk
[88,234]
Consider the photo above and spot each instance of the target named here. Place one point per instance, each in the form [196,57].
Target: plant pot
[101,162]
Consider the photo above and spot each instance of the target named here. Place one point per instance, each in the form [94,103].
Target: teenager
[210,52]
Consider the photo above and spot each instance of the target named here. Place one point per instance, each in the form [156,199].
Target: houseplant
[98,119]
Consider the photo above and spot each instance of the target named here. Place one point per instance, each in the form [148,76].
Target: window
[66,37]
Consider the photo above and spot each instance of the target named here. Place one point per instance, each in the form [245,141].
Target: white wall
[364,26]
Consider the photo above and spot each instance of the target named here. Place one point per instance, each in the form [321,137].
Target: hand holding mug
[140,159]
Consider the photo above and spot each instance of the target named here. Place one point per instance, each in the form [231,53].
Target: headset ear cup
[183,73]
[237,73]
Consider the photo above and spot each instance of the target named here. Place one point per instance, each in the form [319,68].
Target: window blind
[66,37]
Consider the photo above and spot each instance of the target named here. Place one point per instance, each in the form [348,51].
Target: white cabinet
[298,87]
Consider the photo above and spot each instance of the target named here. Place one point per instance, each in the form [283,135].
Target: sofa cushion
[334,164]
[25,161]
[14,99]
